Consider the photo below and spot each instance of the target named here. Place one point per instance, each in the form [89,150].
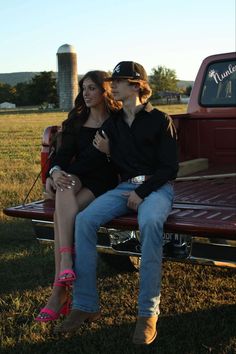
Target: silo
[67,76]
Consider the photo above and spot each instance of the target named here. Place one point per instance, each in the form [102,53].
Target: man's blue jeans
[152,213]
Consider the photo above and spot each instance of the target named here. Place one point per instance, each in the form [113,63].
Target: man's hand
[133,200]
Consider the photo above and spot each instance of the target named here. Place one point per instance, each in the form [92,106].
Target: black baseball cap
[128,70]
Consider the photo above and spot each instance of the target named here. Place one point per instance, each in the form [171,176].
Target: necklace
[96,122]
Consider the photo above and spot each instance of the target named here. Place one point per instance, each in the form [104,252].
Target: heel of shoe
[66,307]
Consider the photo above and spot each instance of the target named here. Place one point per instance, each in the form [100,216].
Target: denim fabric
[152,213]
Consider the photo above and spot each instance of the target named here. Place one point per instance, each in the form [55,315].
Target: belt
[138,179]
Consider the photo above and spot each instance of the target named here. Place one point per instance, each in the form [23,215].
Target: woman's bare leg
[57,257]
[59,294]
[68,203]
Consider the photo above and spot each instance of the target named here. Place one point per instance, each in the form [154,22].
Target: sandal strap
[67,272]
[69,275]
[49,312]
[67,250]
[57,283]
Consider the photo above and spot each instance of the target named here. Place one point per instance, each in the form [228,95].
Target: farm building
[7,105]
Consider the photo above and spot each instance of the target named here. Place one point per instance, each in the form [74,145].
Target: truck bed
[202,207]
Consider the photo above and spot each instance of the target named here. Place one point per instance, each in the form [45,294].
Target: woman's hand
[62,180]
[102,143]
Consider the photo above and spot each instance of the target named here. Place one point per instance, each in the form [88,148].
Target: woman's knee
[65,193]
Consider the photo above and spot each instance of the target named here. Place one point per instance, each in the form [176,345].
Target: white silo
[67,76]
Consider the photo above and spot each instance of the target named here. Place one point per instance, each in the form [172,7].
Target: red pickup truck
[202,225]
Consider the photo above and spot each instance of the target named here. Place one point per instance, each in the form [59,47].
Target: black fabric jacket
[148,147]
[78,156]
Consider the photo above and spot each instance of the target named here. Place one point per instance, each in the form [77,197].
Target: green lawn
[198,308]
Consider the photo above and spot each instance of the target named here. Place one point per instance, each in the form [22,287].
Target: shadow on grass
[208,331]
[27,265]
[25,262]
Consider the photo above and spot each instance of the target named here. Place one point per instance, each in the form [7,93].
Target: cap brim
[120,78]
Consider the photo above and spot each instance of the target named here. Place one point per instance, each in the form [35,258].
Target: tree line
[42,89]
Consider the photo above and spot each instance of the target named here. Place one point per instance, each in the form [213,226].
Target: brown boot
[145,331]
[75,319]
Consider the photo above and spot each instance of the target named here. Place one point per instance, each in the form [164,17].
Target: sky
[175,34]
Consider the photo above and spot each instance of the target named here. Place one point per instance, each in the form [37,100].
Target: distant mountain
[14,78]
[184,83]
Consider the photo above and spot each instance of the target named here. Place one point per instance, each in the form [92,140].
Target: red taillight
[44,163]
[47,140]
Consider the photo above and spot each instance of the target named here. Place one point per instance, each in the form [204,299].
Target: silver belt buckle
[138,179]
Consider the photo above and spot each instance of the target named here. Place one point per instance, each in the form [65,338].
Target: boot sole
[146,343]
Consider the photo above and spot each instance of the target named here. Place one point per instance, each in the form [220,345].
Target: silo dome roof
[66,48]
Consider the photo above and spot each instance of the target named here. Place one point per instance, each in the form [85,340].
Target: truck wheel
[121,263]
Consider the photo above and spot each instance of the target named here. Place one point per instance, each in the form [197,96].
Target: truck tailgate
[204,207]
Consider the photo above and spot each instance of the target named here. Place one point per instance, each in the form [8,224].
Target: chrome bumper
[179,248]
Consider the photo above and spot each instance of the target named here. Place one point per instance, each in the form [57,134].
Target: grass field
[198,309]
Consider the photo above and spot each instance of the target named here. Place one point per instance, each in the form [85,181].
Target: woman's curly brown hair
[80,110]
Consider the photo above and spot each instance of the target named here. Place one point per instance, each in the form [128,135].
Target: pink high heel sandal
[53,315]
[67,276]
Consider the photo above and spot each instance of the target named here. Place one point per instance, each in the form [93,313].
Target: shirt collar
[147,107]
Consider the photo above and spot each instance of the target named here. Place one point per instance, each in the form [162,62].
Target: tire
[121,263]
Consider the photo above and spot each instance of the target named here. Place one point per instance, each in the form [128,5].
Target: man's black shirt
[147,147]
